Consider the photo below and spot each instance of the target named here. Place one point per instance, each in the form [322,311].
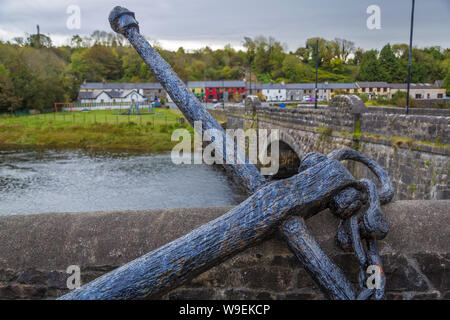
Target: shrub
[363,97]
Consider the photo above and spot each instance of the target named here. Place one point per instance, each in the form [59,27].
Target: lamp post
[223,94]
[317,66]
[410,56]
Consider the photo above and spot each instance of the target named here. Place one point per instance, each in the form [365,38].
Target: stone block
[401,275]
[21,291]
[275,279]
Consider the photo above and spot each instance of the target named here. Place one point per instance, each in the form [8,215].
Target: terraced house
[274,91]
[236,91]
[419,91]
[305,91]
[111,96]
[373,89]
[118,92]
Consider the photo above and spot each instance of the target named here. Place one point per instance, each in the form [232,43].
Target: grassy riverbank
[92,130]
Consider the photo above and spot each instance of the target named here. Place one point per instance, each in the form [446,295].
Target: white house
[111,96]
[274,91]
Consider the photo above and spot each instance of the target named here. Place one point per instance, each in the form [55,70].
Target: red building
[216,91]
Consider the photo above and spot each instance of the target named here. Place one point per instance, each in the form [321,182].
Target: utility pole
[317,66]
[410,56]
[223,94]
[38,36]
[250,79]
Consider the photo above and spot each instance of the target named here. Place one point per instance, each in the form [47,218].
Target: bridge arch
[291,142]
[290,156]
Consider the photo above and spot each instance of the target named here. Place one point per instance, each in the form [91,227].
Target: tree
[98,63]
[295,70]
[262,58]
[446,84]
[358,56]
[76,41]
[401,50]
[39,40]
[19,40]
[8,100]
[337,65]
[369,70]
[345,48]
[389,65]
[250,54]
[303,53]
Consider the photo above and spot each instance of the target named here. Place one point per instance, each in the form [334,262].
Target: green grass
[92,130]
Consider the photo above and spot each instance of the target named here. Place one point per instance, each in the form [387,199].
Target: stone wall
[412,111]
[419,128]
[413,149]
[35,251]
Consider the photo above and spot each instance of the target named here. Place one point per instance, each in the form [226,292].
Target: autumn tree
[369,69]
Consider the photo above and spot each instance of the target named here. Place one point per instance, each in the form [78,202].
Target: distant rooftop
[413,86]
[376,84]
[216,84]
[114,94]
[120,85]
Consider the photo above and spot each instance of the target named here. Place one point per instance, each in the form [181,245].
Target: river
[42,181]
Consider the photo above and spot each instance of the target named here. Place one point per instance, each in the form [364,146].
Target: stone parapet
[35,251]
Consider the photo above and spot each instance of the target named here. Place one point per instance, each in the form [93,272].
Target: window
[440,96]
[378,89]
[370,89]
[418,96]
[384,89]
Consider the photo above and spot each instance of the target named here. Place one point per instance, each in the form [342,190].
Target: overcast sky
[197,23]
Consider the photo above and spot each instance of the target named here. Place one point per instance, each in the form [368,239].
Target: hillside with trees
[34,73]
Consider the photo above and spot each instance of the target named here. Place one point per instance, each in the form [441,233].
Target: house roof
[349,85]
[372,84]
[120,85]
[114,94]
[274,86]
[255,86]
[86,95]
[216,84]
[299,86]
[413,86]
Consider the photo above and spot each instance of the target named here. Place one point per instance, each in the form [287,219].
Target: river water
[41,181]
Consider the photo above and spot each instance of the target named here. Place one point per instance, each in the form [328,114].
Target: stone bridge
[37,249]
[414,149]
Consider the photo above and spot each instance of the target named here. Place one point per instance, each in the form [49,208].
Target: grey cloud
[208,21]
